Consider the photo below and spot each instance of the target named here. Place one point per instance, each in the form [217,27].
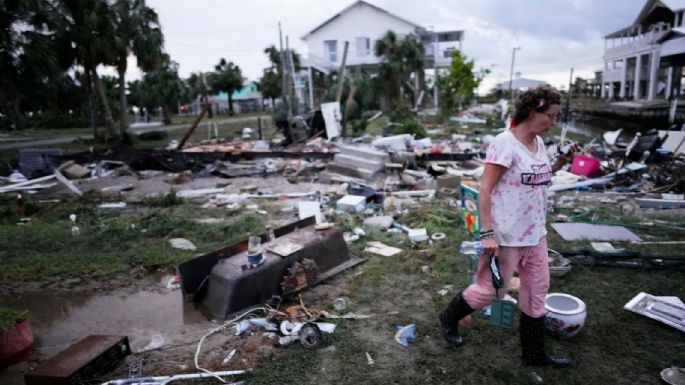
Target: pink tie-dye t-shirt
[519,199]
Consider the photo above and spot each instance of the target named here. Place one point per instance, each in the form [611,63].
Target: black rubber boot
[532,332]
[449,319]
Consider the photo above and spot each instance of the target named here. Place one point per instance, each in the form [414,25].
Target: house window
[331,49]
[363,46]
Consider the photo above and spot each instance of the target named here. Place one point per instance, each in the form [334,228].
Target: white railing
[642,43]
[611,75]
[443,58]
[317,62]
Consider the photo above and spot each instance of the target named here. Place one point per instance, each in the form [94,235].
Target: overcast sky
[554,35]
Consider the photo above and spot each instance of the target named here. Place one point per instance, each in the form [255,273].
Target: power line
[220,31]
[211,48]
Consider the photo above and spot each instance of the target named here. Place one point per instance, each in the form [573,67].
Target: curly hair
[537,99]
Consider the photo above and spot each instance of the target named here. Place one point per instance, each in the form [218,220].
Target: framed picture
[469,205]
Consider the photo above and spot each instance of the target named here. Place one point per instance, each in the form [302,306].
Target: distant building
[245,99]
[644,61]
[519,83]
[362,24]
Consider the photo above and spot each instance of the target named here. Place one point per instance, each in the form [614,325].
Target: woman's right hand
[490,247]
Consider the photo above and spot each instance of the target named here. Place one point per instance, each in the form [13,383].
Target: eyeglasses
[552,117]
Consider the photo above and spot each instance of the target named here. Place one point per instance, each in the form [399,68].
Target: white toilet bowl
[565,314]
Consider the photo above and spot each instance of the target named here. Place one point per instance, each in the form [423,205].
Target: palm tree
[161,87]
[270,85]
[89,28]
[197,87]
[227,78]
[27,54]
[399,58]
[272,80]
[138,32]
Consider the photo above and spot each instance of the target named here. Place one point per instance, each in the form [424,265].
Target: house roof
[519,83]
[353,5]
[650,5]
[249,91]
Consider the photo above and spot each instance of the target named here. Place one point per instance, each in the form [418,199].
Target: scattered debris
[379,248]
[673,375]
[369,360]
[379,222]
[405,334]
[162,380]
[668,310]
[182,243]
[579,231]
[310,208]
[351,203]
[88,359]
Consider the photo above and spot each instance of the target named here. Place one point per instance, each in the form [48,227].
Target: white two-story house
[644,61]
[361,24]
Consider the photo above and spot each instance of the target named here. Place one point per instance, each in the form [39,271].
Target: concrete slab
[358,162]
[351,171]
[366,153]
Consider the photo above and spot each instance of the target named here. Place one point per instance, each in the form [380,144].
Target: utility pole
[568,98]
[283,81]
[341,72]
[292,96]
[435,69]
[511,74]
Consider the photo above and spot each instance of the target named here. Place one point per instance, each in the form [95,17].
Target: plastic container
[254,243]
[585,165]
[471,248]
[270,236]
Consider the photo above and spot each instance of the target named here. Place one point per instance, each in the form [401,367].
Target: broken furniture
[89,359]
[221,282]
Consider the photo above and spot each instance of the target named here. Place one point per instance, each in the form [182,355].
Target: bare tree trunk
[91,106]
[422,82]
[109,122]
[123,114]
[230,104]
[16,114]
[166,114]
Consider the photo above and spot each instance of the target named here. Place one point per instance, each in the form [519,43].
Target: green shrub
[358,126]
[411,126]
[168,200]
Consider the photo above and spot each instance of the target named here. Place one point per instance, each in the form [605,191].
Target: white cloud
[554,35]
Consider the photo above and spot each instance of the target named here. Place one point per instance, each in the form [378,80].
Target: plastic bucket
[584,165]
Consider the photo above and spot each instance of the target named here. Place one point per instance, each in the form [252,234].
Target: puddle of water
[61,318]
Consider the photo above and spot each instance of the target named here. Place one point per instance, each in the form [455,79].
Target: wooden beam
[192,128]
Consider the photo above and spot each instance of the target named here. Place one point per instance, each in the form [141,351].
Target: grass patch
[107,245]
[9,317]
[616,346]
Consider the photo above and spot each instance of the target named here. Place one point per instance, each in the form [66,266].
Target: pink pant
[532,266]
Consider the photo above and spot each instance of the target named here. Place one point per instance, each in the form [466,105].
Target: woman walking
[513,208]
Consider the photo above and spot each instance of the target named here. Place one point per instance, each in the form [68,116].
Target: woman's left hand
[568,156]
